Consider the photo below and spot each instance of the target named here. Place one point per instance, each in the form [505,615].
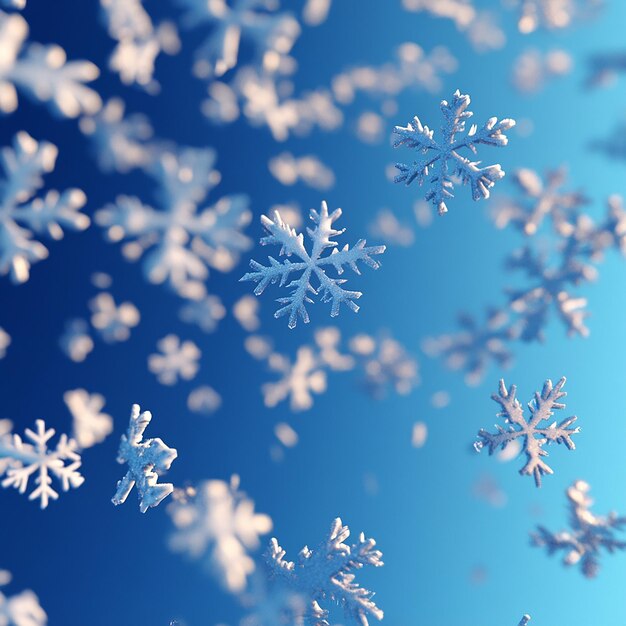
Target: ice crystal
[146,460]
[91,425]
[588,533]
[42,72]
[139,42]
[176,360]
[23,214]
[327,574]
[538,200]
[31,457]
[206,313]
[5,342]
[243,19]
[218,523]
[113,322]
[291,243]
[532,431]
[439,163]
[183,240]
[22,609]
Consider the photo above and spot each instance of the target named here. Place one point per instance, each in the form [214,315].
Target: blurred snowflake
[288,170]
[534,435]
[24,214]
[22,609]
[204,399]
[75,341]
[554,14]
[440,163]
[113,322]
[291,243]
[206,313]
[176,360]
[533,69]
[387,227]
[90,424]
[5,342]
[588,535]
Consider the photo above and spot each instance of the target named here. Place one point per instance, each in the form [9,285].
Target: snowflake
[146,459]
[204,399]
[183,240]
[554,14]
[387,227]
[476,345]
[43,73]
[5,342]
[24,214]
[443,159]
[549,288]
[206,313]
[314,264]
[288,170]
[385,362]
[326,573]
[177,359]
[539,200]
[534,68]
[246,312]
[75,340]
[218,523]
[91,425]
[22,609]
[612,232]
[243,19]
[588,535]
[113,322]
[139,42]
[23,460]
[533,433]
[315,12]
[462,12]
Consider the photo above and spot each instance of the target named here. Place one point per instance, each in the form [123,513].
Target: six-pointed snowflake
[146,459]
[533,432]
[439,162]
[311,265]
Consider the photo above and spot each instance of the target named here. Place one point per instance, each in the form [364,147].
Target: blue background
[92,564]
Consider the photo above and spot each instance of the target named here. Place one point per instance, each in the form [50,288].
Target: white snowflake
[218,523]
[42,72]
[315,12]
[183,241]
[232,22]
[176,360]
[113,322]
[554,14]
[146,459]
[204,399]
[206,313]
[326,574]
[75,340]
[90,424]
[20,460]
[534,434]
[288,170]
[24,214]
[291,243]
[246,312]
[5,342]
[440,163]
[22,609]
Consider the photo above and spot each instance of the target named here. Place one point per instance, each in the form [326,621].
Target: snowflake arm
[326,573]
[439,162]
[534,435]
[313,264]
[25,460]
[145,459]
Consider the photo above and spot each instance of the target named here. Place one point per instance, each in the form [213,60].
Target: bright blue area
[96,565]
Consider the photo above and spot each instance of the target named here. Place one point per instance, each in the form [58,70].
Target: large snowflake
[24,214]
[588,535]
[532,431]
[182,239]
[439,162]
[326,574]
[42,72]
[217,522]
[313,264]
[22,609]
[145,460]
[21,459]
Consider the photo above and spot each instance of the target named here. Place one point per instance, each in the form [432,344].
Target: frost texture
[291,243]
[146,459]
[476,345]
[181,240]
[588,535]
[176,360]
[23,214]
[91,425]
[218,524]
[21,459]
[533,432]
[327,574]
[43,73]
[439,163]
[231,22]
[22,609]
